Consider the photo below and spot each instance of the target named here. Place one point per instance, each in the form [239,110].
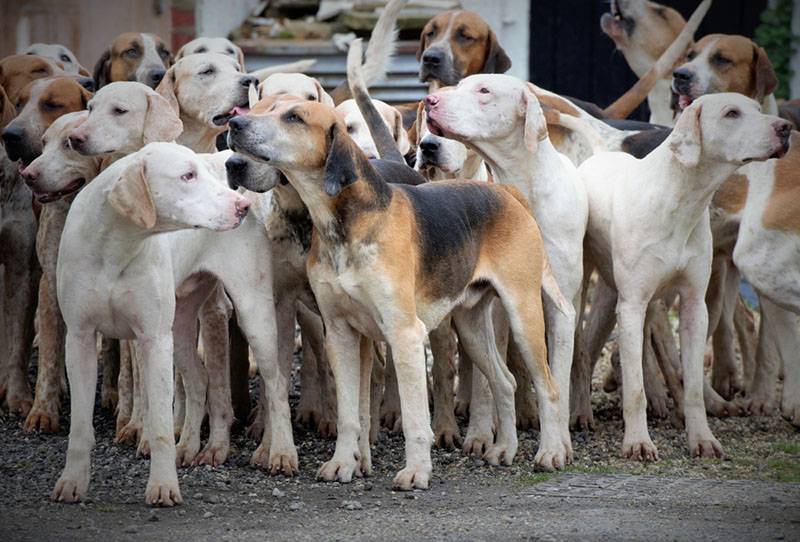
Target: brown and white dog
[455,44]
[381,268]
[134,56]
[16,71]
[59,53]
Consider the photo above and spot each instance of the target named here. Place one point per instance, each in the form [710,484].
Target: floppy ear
[340,167]
[497,60]
[85,97]
[686,140]
[240,57]
[7,112]
[399,133]
[415,132]
[102,70]
[766,80]
[83,71]
[423,40]
[167,89]
[253,94]
[322,96]
[535,123]
[131,197]
[161,121]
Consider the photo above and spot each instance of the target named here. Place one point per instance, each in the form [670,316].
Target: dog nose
[235,167]
[434,58]
[248,80]
[783,129]
[30,176]
[429,146]
[87,83]
[242,206]
[155,76]
[682,75]
[77,142]
[431,100]
[12,135]
[238,123]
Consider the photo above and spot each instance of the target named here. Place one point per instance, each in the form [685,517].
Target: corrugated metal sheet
[402,84]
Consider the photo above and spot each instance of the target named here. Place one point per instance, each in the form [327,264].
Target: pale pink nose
[431,100]
[242,206]
[30,175]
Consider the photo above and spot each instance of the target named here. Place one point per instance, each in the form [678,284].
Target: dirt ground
[752,494]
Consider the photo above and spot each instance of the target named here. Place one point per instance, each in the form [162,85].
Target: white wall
[214,18]
[510,21]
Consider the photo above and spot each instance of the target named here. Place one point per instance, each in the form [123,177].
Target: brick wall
[183,23]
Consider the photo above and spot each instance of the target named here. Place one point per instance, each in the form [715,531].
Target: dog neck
[197,135]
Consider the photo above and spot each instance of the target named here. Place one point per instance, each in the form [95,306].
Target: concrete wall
[216,18]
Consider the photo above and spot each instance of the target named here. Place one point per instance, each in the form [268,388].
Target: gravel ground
[752,494]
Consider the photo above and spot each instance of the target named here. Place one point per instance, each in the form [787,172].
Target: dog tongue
[684,101]
[238,110]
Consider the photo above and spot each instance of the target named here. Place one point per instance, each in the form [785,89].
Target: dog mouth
[222,120]
[71,188]
[680,101]
[434,127]
[779,152]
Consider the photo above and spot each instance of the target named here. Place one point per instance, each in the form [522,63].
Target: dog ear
[340,166]
[399,133]
[161,121]
[497,60]
[423,39]
[130,196]
[686,140]
[322,96]
[415,132]
[85,96]
[102,70]
[7,111]
[765,78]
[167,89]
[240,58]
[83,71]
[535,123]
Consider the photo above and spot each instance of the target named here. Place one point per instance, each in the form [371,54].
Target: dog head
[727,128]
[437,157]
[60,171]
[17,71]
[359,131]
[60,53]
[165,187]
[641,30]
[455,44]
[39,105]
[221,46]
[487,108]
[256,176]
[134,56]
[723,63]
[124,117]
[294,84]
[207,88]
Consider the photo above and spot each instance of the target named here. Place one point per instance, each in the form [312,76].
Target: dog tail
[579,126]
[551,290]
[299,66]
[629,101]
[380,49]
[384,142]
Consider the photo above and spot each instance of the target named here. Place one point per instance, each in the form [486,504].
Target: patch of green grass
[109,508]
[24,464]
[537,478]
[791,448]
[785,470]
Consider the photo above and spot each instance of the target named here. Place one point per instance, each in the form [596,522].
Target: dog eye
[350,129]
[733,114]
[311,97]
[52,105]
[40,70]
[464,37]
[293,117]
[119,111]
[66,143]
[483,90]
[661,12]
[721,60]
[207,71]
[691,55]
[430,34]
[131,53]
[65,58]
[164,54]
[188,177]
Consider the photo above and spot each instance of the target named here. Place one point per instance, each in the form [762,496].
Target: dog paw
[214,454]
[412,477]
[500,454]
[550,456]
[41,420]
[790,409]
[476,445]
[639,450]
[338,470]
[327,428]
[759,406]
[71,487]
[723,409]
[19,405]
[706,446]
[308,416]
[143,448]
[255,430]
[165,493]
[391,420]
[186,453]
[583,421]
[462,408]
[447,436]
[129,434]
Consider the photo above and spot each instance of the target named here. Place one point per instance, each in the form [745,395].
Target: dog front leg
[124,387]
[787,337]
[693,332]
[761,400]
[309,409]
[155,355]
[443,347]
[636,443]
[343,347]
[390,407]
[81,362]
[407,343]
